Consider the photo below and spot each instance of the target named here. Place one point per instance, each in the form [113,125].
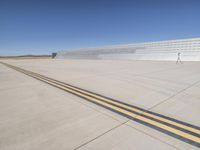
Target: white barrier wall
[161,50]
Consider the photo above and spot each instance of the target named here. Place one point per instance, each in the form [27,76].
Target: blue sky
[42,27]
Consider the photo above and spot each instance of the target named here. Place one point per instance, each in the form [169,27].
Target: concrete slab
[125,137]
[6,76]
[123,80]
[163,87]
[184,106]
[161,136]
[43,117]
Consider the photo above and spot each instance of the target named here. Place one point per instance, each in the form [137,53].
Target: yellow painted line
[125,112]
[115,108]
[125,106]
[121,105]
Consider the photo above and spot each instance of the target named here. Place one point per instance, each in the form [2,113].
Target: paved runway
[157,127]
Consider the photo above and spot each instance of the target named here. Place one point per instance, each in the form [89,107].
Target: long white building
[158,50]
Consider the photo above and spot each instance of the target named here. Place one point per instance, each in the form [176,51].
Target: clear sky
[45,26]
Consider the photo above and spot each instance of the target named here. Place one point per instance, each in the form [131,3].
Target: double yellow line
[178,129]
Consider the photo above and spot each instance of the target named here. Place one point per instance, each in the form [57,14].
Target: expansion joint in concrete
[101,135]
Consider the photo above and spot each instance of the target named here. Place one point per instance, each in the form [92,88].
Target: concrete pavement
[163,87]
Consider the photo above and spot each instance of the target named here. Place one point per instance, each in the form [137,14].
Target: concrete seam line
[117,126]
[177,129]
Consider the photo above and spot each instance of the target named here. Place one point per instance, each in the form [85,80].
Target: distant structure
[53,55]
[158,50]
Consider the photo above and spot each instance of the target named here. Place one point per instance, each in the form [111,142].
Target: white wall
[161,50]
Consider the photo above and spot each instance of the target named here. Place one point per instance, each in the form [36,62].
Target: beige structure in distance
[189,50]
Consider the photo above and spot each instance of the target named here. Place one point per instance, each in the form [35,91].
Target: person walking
[179,58]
